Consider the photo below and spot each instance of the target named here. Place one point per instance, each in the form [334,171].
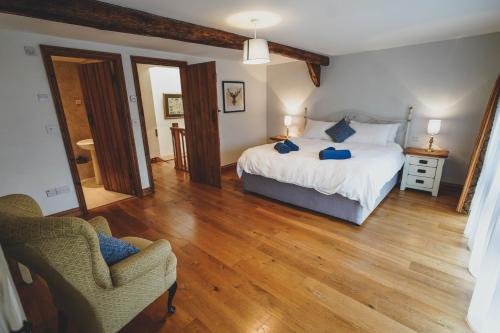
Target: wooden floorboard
[249,264]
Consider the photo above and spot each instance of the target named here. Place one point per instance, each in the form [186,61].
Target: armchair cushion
[113,249]
[129,269]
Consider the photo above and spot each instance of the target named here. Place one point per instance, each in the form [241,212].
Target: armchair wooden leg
[171,294]
[62,322]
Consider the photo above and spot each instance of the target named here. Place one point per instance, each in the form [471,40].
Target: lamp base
[287,130]
[431,141]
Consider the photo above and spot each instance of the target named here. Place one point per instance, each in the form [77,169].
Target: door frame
[135,60]
[115,59]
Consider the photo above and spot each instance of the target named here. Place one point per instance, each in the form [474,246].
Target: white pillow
[378,134]
[393,132]
[316,129]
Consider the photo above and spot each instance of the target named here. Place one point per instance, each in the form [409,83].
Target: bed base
[334,205]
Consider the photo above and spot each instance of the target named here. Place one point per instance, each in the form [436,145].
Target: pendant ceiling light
[255,51]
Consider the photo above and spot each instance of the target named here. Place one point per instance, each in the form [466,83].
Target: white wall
[33,161]
[241,130]
[449,80]
[165,80]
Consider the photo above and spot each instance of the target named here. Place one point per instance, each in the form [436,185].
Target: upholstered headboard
[403,131]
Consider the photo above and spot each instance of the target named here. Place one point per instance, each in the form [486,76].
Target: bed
[347,189]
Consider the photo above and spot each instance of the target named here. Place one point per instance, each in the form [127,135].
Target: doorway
[195,146]
[89,94]
[160,90]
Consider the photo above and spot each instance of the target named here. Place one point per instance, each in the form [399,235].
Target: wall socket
[52,192]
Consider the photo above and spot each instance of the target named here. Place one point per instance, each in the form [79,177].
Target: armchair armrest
[140,263]
[100,224]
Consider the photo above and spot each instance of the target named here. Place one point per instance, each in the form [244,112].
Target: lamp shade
[288,120]
[433,126]
[255,51]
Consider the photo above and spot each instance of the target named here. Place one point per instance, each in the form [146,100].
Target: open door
[202,123]
[107,126]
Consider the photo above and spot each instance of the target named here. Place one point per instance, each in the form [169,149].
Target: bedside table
[422,170]
[277,138]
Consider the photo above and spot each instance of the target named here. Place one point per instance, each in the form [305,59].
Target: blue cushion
[282,148]
[340,131]
[114,249]
[293,146]
[329,154]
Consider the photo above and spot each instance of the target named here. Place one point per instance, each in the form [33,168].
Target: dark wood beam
[314,73]
[105,16]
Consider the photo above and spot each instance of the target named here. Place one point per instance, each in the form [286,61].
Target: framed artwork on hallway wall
[233,96]
[172,106]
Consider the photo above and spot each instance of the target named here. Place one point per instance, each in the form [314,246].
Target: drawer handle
[423,161]
[421,171]
[419,181]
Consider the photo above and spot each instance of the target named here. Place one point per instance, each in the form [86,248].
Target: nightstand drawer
[423,171]
[425,161]
[420,181]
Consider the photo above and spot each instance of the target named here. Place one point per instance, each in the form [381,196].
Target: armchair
[65,252]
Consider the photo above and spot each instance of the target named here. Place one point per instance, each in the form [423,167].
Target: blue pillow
[340,131]
[114,249]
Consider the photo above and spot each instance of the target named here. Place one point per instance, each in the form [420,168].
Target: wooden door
[107,125]
[202,123]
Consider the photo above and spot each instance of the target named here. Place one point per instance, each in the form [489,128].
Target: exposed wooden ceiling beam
[105,16]
[314,73]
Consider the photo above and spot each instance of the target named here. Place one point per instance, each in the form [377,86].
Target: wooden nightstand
[277,138]
[423,169]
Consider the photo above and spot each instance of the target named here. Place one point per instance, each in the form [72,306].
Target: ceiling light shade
[255,51]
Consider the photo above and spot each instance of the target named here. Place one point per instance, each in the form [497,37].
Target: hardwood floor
[248,264]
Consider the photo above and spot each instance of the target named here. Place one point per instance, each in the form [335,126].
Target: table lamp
[433,128]
[288,122]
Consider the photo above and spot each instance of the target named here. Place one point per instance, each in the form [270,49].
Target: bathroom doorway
[89,93]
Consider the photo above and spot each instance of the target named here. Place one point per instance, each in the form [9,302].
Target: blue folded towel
[329,154]
[293,146]
[282,148]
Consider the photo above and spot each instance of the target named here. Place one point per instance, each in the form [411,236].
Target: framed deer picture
[233,96]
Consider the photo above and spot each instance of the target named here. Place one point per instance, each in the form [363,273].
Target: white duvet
[360,178]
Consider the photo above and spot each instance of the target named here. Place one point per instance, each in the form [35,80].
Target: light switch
[30,50]
[42,97]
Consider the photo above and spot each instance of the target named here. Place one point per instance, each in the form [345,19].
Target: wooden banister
[179,143]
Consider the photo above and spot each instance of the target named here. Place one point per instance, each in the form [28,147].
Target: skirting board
[147,191]
[228,166]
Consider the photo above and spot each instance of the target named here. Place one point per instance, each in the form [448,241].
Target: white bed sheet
[359,178]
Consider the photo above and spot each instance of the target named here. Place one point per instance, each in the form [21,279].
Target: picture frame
[172,106]
[233,96]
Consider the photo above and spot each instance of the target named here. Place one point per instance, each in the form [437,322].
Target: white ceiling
[342,26]
[325,26]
